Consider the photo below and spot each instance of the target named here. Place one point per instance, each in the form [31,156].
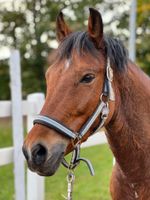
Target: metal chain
[70,180]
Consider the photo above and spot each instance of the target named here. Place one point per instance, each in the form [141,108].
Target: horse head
[75,82]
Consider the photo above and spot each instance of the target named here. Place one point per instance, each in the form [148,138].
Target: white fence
[30,107]
[17,109]
[35,183]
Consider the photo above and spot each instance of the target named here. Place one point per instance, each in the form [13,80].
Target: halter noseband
[102,110]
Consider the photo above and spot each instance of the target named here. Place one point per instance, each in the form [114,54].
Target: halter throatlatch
[101,112]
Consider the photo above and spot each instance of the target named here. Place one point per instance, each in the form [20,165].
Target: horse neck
[128,132]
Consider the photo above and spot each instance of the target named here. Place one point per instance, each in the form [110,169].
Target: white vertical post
[17,124]
[35,183]
[132,28]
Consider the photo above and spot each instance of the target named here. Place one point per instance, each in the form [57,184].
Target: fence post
[132,28]
[35,183]
[17,124]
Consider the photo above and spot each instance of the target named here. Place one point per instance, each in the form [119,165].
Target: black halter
[101,111]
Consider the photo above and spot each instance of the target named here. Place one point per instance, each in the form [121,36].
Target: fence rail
[6,155]
[30,107]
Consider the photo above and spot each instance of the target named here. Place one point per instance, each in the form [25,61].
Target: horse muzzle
[42,160]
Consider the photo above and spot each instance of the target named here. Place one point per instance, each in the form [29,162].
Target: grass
[85,187]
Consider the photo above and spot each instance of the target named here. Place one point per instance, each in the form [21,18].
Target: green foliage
[143,34]
[4,81]
[24,28]
[30,26]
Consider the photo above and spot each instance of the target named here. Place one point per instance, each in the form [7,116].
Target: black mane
[117,53]
[82,43]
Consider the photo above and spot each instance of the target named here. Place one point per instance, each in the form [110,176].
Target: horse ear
[62,29]
[95,27]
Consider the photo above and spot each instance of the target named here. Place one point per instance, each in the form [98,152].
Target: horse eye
[87,78]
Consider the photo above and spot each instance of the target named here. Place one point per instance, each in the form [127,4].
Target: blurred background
[29,26]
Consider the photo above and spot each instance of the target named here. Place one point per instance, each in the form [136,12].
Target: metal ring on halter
[74,160]
[103,96]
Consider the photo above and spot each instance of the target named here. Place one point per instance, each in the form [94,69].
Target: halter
[101,111]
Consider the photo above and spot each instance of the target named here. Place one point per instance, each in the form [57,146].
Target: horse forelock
[82,44]
[77,41]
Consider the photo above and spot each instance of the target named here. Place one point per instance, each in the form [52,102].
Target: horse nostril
[39,154]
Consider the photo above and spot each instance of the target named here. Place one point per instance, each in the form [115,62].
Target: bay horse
[75,83]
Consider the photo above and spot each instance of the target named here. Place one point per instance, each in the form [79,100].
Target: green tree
[30,27]
[143,34]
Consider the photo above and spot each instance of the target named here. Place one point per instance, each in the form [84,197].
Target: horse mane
[81,42]
[117,53]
